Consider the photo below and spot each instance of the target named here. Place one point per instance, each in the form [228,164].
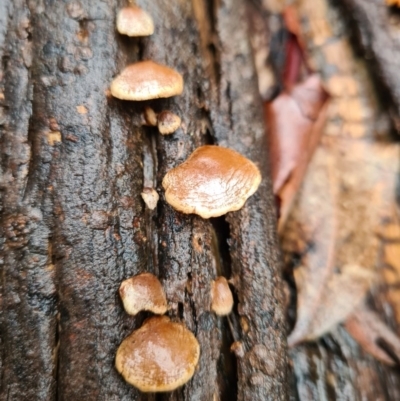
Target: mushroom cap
[160,356]
[211,182]
[150,197]
[146,80]
[134,21]
[221,297]
[168,122]
[150,116]
[143,292]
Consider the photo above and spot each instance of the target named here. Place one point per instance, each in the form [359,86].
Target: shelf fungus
[134,21]
[211,182]
[146,80]
[221,297]
[160,356]
[143,292]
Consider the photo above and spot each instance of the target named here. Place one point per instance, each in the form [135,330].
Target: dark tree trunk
[73,225]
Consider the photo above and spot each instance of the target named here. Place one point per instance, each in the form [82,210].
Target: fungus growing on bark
[211,182]
[150,197]
[149,117]
[134,21]
[160,356]
[221,297]
[168,122]
[143,292]
[146,80]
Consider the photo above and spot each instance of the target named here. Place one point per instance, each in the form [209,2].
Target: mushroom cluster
[211,182]
[152,358]
[146,80]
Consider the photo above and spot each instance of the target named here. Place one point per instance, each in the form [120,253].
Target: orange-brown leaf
[374,336]
[291,117]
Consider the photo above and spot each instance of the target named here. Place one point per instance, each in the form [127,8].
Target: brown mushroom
[211,182]
[143,292]
[149,117]
[221,297]
[160,356]
[146,80]
[150,197]
[168,122]
[134,21]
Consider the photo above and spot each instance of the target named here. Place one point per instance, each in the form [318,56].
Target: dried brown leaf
[321,308]
[291,118]
[374,336]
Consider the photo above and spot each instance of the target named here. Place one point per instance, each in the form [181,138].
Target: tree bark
[74,161]
[373,26]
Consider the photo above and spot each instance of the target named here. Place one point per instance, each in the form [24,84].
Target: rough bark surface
[374,26]
[73,225]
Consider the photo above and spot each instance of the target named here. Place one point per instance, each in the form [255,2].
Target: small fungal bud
[150,197]
[168,122]
[221,297]
[237,349]
[146,80]
[160,356]
[143,292]
[133,21]
[150,116]
[211,182]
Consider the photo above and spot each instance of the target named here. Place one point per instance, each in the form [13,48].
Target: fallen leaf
[320,309]
[295,120]
[374,336]
[291,117]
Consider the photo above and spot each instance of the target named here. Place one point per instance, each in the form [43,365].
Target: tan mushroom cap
[150,116]
[143,292]
[146,80]
[160,356]
[221,297]
[168,122]
[211,182]
[134,21]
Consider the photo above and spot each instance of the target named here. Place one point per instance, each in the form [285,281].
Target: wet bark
[73,225]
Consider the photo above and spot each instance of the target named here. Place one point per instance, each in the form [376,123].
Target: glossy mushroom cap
[133,21]
[143,292]
[211,182]
[160,356]
[146,80]
[168,122]
[221,297]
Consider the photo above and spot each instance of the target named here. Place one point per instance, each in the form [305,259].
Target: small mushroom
[221,297]
[143,292]
[211,182]
[146,80]
[134,21]
[150,197]
[168,122]
[160,356]
[149,117]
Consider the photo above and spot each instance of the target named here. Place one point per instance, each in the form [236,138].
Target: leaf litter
[344,220]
